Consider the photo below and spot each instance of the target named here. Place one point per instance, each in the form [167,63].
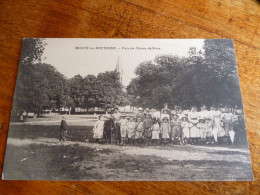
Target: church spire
[119,69]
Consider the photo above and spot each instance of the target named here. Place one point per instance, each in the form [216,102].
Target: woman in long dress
[228,120]
[155,132]
[209,121]
[123,128]
[217,131]
[130,126]
[98,128]
[185,125]
[165,129]
[194,131]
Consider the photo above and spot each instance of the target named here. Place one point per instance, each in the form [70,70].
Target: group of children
[177,127]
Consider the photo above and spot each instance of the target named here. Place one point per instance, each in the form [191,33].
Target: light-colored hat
[184,117]
[115,108]
[140,109]
[175,115]
[202,120]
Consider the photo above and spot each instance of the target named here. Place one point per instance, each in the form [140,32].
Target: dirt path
[179,153]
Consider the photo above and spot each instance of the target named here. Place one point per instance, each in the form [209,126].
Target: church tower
[119,70]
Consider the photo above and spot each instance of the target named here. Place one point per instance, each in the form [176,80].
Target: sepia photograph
[127,110]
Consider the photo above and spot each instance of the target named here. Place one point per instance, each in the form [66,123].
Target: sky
[92,56]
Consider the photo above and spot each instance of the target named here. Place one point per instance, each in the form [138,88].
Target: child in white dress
[98,129]
[123,127]
[155,132]
[185,125]
[139,129]
[165,129]
[130,126]
[203,129]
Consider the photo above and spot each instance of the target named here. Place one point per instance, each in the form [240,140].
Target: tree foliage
[209,78]
[45,88]
[40,86]
[100,91]
[32,51]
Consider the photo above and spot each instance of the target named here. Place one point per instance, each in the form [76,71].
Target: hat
[155,121]
[147,109]
[140,109]
[108,106]
[175,115]
[116,108]
[184,117]
[202,120]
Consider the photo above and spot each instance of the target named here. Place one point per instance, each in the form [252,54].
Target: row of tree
[41,87]
[209,77]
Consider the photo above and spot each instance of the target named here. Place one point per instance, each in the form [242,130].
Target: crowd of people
[215,125]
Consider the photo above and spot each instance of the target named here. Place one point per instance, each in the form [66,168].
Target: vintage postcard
[127,110]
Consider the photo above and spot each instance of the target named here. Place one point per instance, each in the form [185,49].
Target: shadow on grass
[74,133]
[41,162]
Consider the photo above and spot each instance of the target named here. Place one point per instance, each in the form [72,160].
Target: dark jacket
[63,125]
[148,123]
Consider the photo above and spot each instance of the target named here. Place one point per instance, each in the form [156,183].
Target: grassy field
[34,152]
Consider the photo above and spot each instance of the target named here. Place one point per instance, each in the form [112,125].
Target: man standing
[116,118]
[148,123]
[140,115]
[63,128]
[108,125]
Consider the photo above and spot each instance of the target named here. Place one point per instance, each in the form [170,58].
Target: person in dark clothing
[109,126]
[140,115]
[147,134]
[240,131]
[63,129]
